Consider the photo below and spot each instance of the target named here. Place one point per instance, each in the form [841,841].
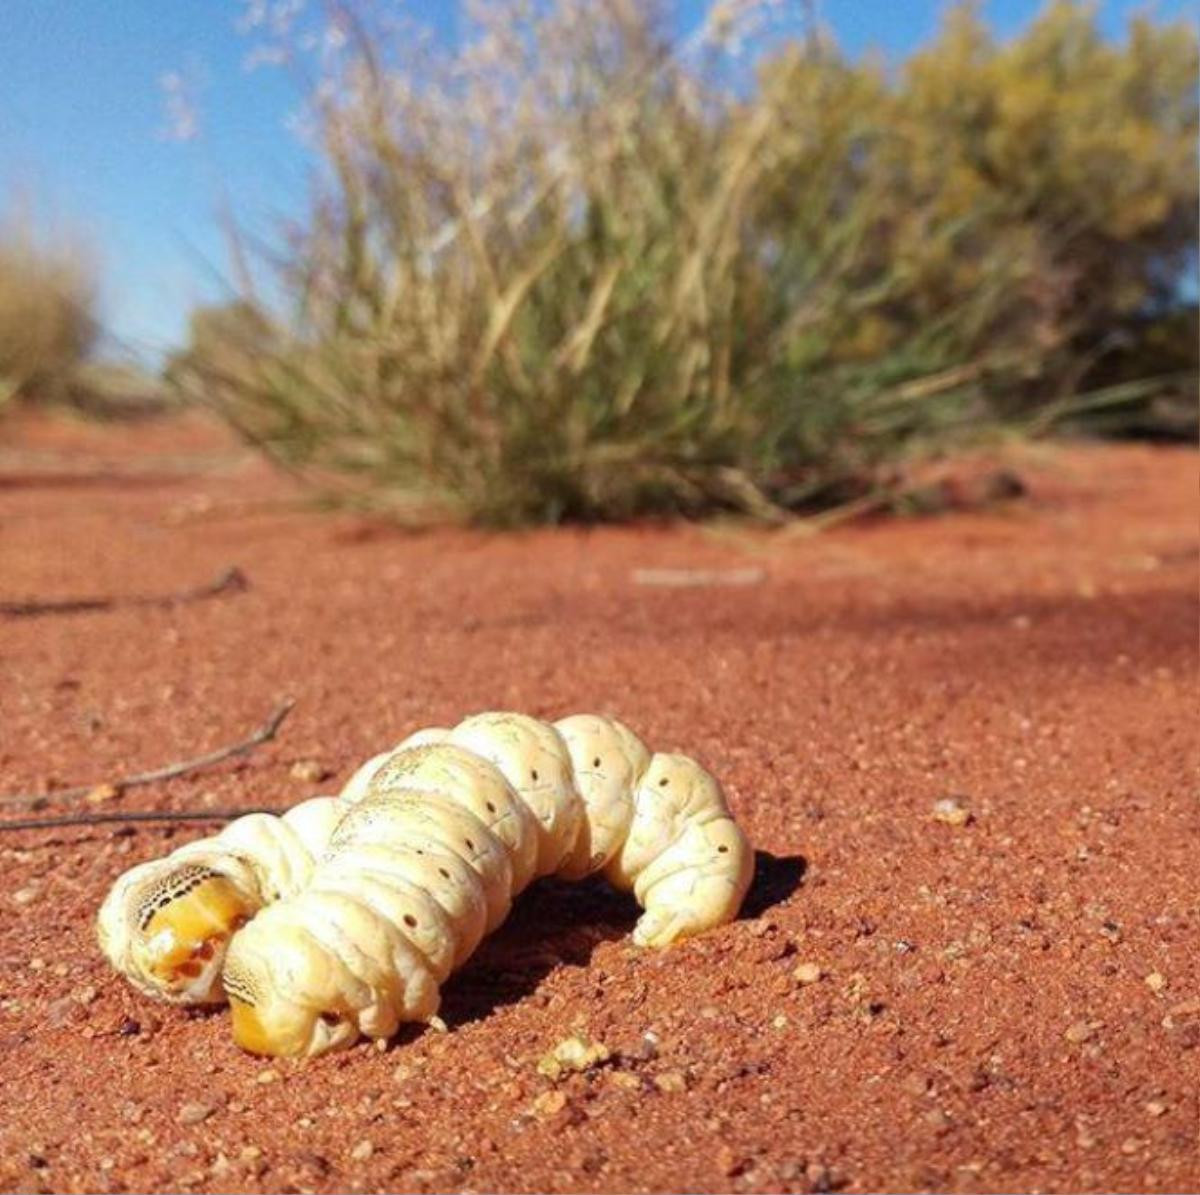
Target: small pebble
[1155,1107]
[102,793]
[625,1080]
[1079,1032]
[819,1177]
[267,1076]
[576,1053]
[549,1103]
[308,771]
[671,1081]
[25,896]
[951,812]
[362,1151]
[808,973]
[729,1162]
[195,1113]
[1156,981]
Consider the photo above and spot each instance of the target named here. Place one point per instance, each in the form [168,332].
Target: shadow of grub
[776,877]
[551,925]
[557,924]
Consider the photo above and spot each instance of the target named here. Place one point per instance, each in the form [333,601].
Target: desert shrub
[571,272]
[47,312]
[1082,155]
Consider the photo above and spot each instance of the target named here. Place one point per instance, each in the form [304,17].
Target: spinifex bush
[573,271]
[47,323]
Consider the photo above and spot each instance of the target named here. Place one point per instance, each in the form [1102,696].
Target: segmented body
[449,830]
[360,906]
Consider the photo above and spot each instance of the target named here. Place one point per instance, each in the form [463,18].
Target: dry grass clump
[575,270]
[47,312]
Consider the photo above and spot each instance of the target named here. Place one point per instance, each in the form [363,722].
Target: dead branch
[264,734]
[232,580]
[685,578]
[170,817]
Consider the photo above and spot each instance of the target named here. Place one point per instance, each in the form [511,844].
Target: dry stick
[232,580]
[264,734]
[171,817]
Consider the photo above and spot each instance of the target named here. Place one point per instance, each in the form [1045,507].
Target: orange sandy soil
[1009,1004]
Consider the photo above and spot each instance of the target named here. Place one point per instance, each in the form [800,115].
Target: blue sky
[82,116]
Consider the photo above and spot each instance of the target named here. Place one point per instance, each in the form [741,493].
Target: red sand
[985,1021]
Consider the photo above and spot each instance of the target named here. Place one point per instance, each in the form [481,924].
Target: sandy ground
[1008,1004]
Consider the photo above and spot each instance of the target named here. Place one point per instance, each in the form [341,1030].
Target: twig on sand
[264,734]
[170,817]
[689,578]
[232,580]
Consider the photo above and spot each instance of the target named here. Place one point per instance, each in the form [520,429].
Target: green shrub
[570,274]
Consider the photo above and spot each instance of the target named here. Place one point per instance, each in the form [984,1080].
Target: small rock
[808,973]
[62,1012]
[549,1103]
[1156,982]
[1079,1032]
[819,1177]
[648,1050]
[195,1112]
[916,1085]
[102,793]
[780,1021]
[576,1053]
[951,812]
[308,771]
[25,896]
[625,1080]
[729,1162]
[84,995]
[1155,1107]
[129,1027]
[672,1081]
[362,1151]
[267,1076]
[1130,1146]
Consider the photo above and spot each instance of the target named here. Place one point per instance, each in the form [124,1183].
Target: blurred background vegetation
[573,270]
[47,311]
[50,328]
